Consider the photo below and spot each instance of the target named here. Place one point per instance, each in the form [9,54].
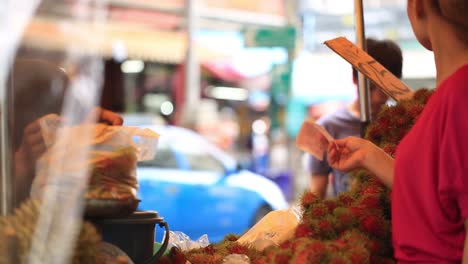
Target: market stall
[68,170]
[68,166]
[83,205]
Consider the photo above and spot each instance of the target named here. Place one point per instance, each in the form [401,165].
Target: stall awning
[107,39]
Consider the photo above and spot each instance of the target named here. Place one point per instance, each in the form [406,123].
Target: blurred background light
[167,108]
[259,126]
[228,93]
[133,66]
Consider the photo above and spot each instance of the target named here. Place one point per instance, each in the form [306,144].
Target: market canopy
[112,38]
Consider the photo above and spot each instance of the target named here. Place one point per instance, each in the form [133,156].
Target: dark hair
[456,12]
[387,53]
[39,88]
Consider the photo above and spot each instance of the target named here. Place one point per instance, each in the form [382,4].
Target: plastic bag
[183,242]
[273,229]
[109,154]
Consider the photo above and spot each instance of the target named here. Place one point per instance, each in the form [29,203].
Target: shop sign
[270,37]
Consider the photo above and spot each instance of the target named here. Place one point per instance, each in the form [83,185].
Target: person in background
[39,90]
[346,121]
[429,175]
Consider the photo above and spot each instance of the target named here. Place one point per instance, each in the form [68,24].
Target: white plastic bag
[184,243]
[273,229]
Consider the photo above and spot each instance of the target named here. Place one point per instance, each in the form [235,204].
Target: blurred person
[279,170]
[346,121]
[429,175]
[321,109]
[38,89]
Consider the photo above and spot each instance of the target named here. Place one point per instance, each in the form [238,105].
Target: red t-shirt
[430,188]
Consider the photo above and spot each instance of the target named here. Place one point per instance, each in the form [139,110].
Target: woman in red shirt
[429,177]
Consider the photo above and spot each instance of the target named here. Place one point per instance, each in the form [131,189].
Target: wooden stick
[365,64]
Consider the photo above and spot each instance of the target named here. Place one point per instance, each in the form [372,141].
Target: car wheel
[261,212]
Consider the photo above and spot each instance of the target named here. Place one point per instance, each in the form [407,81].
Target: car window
[204,162]
[164,158]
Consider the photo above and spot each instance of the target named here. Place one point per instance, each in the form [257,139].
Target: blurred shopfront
[244,77]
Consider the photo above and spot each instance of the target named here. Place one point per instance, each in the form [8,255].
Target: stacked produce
[109,155]
[17,231]
[355,227]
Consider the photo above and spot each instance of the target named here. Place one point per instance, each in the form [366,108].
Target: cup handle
[163,247]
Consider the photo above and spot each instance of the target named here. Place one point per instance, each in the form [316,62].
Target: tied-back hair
[455,12]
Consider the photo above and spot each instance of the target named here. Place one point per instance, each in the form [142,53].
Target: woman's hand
[108,117]
[349,153]
[32,145]
[105,116]
[352,153]
[31,149]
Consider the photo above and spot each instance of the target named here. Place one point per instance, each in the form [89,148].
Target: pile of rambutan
[355,227]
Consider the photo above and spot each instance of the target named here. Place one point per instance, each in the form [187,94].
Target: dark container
[135,235]
[108,208]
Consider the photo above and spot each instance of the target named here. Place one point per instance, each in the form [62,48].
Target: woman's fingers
[332,153]
[352,143]
[38,150]
[34,138]
[32,128]
[346,154]
[108,117]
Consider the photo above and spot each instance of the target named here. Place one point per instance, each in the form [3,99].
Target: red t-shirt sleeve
[453,163]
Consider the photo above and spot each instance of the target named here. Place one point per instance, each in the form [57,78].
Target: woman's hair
[456,12]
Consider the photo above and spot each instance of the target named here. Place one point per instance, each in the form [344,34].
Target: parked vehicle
[199,189]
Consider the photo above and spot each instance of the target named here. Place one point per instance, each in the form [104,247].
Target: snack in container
[108,154]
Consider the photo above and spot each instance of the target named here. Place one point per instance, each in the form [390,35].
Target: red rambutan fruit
[309,198]
[209,249]
[357,212]
[373,225]
[231,237]
[335,259]
[313,253]
[286,244]
[330,204]
[345,199]
[372,189]
[325,225]
[358,255]
[238,249]
[282,258]
[303,230]
[319,211]
[370,201]
[374,246]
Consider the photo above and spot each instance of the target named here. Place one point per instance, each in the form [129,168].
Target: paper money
[313,139]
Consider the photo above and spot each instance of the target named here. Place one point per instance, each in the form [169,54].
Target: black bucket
[135,235]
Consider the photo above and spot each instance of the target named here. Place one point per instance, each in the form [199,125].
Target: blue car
[199,189]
